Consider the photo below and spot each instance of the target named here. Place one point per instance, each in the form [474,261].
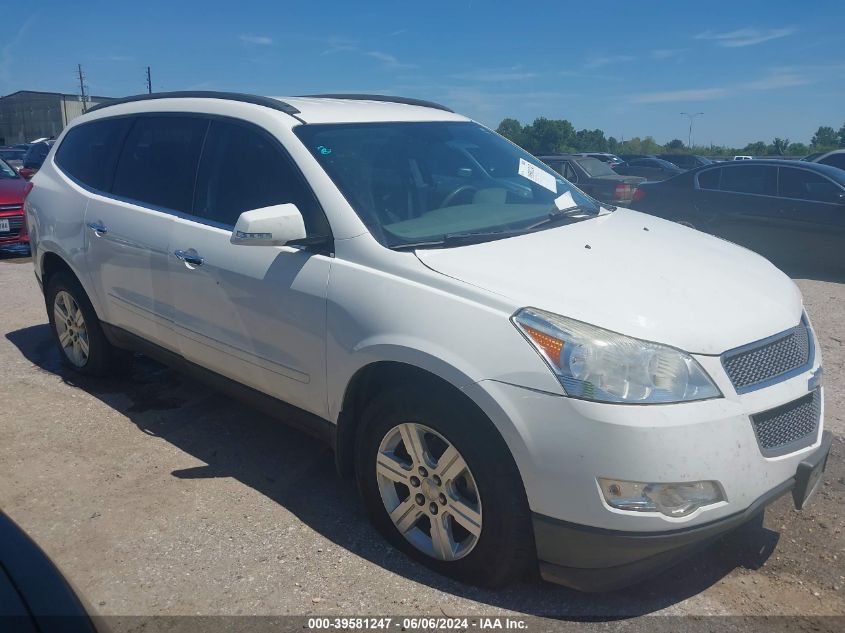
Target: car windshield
[595,168]
[425,182]
[6,171]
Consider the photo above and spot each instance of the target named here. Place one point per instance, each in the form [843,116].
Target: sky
[756,70]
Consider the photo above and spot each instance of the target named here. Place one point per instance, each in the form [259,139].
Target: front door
[255,314]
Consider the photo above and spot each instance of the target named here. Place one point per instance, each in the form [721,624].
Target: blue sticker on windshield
[325,151]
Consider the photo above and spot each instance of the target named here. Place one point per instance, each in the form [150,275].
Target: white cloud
[261,40]
[387,60]
[781,80]
[494,75]
[745,37]
[598,62]
[698,94]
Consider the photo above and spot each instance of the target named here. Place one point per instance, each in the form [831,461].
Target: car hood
[12,190]
[637,275]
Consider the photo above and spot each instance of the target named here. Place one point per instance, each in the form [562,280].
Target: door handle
[98,228]
[189,257]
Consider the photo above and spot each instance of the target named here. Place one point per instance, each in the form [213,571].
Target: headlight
[596,364]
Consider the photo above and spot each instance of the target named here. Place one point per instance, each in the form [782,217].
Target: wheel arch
[50,262]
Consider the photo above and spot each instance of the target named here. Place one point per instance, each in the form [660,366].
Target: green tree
[512,130]
[825,136]
[798,149]
[841,135]
[590,141]
[675,145]
[549,136]
[612,144]
[778,146]
[756,149]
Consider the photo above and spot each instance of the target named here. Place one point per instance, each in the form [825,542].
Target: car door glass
[158,164]
[569,173]
[709,179]
[244,168]
[836,160]
[756,179]
[88,152]
[805,185]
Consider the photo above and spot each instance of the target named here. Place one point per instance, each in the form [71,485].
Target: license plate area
[4,225]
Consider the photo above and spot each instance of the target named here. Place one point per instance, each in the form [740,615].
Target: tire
[492,555]
[79,336]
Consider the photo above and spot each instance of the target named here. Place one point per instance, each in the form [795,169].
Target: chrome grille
[775,358]
[11,207]
[789,427]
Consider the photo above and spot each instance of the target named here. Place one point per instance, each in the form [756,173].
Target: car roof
[329,108]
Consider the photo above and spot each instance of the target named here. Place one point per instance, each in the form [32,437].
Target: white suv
[513,371]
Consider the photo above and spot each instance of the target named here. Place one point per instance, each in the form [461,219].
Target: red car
[13,189]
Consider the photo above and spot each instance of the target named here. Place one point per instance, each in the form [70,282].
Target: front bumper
[595,559]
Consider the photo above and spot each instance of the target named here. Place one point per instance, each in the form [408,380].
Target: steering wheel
[455,193]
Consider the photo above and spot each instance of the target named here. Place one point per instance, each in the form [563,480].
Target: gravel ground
[157,497]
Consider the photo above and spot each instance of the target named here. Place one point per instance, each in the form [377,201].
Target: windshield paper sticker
[565,201]
[535,174]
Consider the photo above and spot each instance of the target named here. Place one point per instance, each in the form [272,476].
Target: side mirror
[271,226]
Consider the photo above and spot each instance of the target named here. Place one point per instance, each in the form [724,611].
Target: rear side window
[837,160]
[709,179]
[756,179]
[89,152]
[805,185]
[158,164]
[244,168]
[35,155]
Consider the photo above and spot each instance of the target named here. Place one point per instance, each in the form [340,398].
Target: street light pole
[691,117]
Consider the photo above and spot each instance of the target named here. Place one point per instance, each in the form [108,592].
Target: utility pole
[82,88]
[149,81]
[691,117]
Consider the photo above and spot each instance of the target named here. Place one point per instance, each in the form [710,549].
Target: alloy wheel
[428,491]
[71,328]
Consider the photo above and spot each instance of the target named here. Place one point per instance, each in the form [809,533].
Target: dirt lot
[157,497]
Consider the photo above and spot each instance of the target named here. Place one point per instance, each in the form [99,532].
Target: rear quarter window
[89,152]
[709,178]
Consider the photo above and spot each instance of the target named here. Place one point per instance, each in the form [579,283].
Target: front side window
[836,160]
[709,178]
[89,152]
[756,179]
[158,164]
[243,168]
[428,181]
[805,185]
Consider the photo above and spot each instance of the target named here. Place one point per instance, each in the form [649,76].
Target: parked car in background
[34,158]
[594,177]
[12,156]
[836,158]
[686,161]
[792,212]
[648,168]
[610,159]
[743,158]
[13,189]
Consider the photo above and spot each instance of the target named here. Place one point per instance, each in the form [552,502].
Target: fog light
[673,500]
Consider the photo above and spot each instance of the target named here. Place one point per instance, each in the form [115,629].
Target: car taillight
[639,194]
[622,191]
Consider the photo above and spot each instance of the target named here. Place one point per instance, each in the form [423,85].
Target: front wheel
[440,485]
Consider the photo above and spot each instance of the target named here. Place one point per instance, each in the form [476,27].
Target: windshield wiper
[459,239]
[568,213]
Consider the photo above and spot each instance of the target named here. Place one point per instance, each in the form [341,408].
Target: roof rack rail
[267,102]
[385,98]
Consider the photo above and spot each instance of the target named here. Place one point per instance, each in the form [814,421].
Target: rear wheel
[77,330]
[439,484]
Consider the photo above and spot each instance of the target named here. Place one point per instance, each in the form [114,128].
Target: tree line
[553,136]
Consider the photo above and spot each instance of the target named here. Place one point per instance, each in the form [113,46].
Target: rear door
[812,219]
[742,206]
[255,314]
[129,226]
